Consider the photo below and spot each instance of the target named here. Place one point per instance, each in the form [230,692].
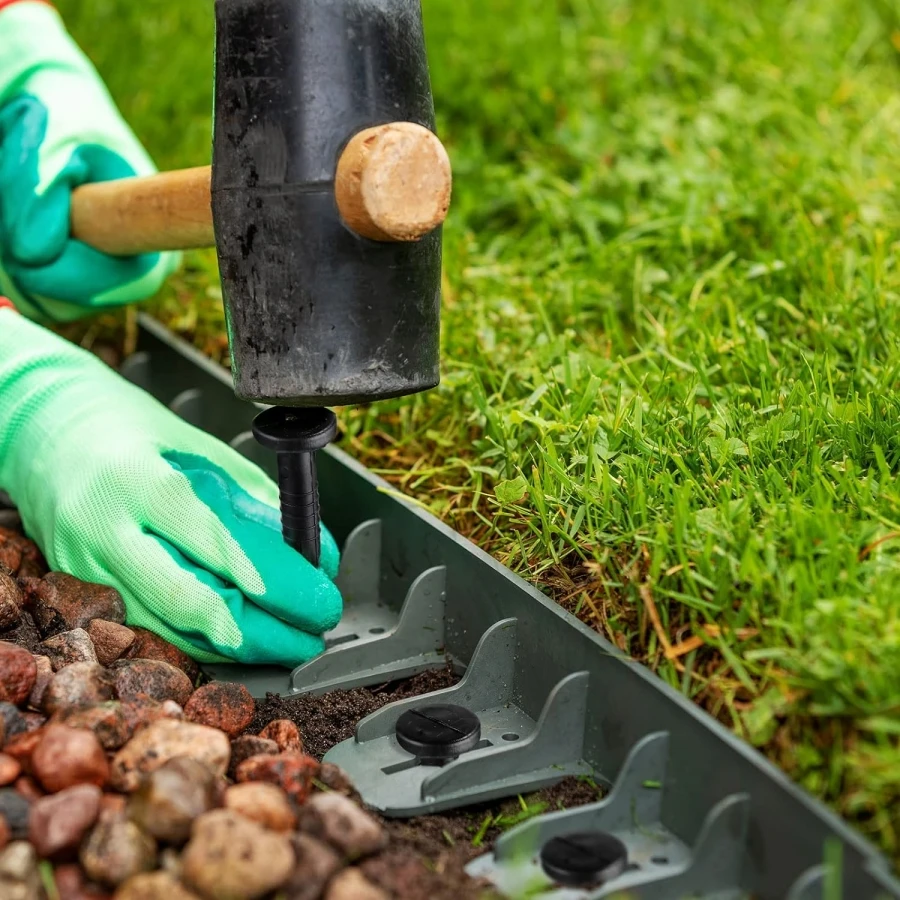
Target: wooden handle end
[393,182]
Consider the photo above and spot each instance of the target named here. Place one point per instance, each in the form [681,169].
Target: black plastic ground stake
[718,819]
[295,435]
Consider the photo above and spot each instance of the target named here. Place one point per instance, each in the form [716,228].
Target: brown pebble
[141,712]
[106,720]
[285,733]
[153,678]
[4,833]
[223,705]
[10,769]
[69,756]
[72,884]
[335,778]
[57,823]
[351,884]
[113,806]
[154,886]
[231,857]
[292,772]
[63,603]
[11,601]
[81,684]
[148,645]
[33,720]
[44,676]
[264,803]
[248,745]
[18,672]
[25,786]
[316,863]
[21,748]
[10,559]
[171,797]
[116,850]
[111,640]
[161,741]
[69,647]
[343,824]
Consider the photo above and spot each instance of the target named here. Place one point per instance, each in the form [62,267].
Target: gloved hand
[118,490]
[59,128]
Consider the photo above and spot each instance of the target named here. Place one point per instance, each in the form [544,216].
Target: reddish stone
[292,772]
[57,823]
[43,678]
[11,600]
[28,788]
[4,834]
[335,778]
[71,884]
[63,603]
[106,720]
[140,713]
[153,678]
[285,733]
[10,555]
[10,769]
[111,640]
[249,745]
[113,806]
[148,645]
[18,672]
[69,756]
[223,705]
[21,748]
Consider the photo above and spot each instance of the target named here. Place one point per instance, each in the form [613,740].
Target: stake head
[438,733]
[585,857]
[288,429]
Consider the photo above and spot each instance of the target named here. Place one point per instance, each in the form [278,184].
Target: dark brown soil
[427,855]
[328,719]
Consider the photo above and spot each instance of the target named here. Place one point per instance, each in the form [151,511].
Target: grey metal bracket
[661,867]
[414,644]
[373,643]
[515,753]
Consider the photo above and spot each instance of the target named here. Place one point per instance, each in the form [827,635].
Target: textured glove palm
[59,128]
[116,489]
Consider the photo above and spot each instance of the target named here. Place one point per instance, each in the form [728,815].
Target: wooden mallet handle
[392,183]
[169,211]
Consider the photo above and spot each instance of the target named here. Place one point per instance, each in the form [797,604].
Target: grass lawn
[670,336]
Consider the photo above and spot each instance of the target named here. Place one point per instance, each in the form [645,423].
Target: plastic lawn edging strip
[699,812]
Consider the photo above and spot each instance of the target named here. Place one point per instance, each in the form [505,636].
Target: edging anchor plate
[514,753]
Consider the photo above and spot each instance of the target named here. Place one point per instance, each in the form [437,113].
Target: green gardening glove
[118,490]
[59,128]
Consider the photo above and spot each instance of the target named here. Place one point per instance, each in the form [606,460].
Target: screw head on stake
[585,857]
[438,734]
[288,429]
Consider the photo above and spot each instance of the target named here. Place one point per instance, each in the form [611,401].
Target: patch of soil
[330,718]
